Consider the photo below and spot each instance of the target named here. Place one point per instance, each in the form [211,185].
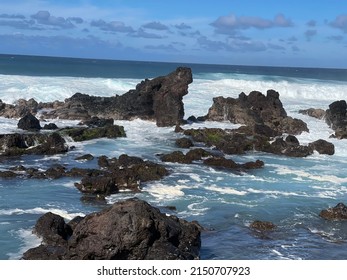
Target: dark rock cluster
[128,230]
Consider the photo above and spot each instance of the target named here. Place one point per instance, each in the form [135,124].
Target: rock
[262,226]
[290,147]
[315,113]
[253,109]
[323,147]
[35,143]
[85,157]
[8,174]
[184,143]
[29,122]
[336,115]
[124,173]
[336,118]
[50,126]
[337,213]
[192,155]
[159,99]
[128,230]
[221,162]
[82,133]
[97,122]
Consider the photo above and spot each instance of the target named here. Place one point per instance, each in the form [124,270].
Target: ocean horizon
[290,192]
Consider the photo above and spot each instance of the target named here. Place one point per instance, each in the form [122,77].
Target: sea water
[290,192]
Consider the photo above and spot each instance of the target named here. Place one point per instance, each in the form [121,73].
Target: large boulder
[336,118]
[128,230]
[29,122]
[255,109]
[34,143]
[159,99]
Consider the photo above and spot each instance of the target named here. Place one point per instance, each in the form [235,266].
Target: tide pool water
[290,192]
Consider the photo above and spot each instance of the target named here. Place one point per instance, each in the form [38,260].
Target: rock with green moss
[88,133]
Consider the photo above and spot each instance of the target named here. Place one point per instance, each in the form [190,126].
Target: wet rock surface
[128,230]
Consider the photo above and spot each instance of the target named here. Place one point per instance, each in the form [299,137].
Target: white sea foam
[45,89]
[163,191]
[226,190]
[28,240]
[39,210]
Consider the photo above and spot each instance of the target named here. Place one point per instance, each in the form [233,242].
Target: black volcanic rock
[256,109]
[34,143]
[159,99]
[337,213]
[29,122]
[336,118]
[128,230]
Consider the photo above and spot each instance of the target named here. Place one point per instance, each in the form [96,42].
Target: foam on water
[40,210]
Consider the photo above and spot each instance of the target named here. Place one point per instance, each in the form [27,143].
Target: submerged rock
[337,213]
[262,225]
[128,230]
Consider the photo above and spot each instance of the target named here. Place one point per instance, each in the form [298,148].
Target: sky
[294,33]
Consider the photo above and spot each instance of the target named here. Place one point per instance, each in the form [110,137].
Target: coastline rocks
[314,113]
[124,173]
[337,213]
[256,108]
[336,118]
[88,133]
[128,230]
[159,99]
[262,226]
[40,144]
[323,147]
[29,122]
[221,162]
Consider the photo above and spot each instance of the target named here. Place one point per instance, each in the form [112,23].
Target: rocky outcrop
[262,226]
[124,173]
[128,230]
[337,213]
[336,118]
[36,143]
[159,99]
[314,113]
[18,110]
[88,133]
[256,109]
[244,139]
[29,122]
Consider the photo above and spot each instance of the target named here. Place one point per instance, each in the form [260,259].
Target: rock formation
[256,109]
[128,230]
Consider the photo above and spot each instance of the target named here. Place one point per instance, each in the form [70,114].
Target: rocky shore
[133,229]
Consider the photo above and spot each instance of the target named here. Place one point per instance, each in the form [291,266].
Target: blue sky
[241,32]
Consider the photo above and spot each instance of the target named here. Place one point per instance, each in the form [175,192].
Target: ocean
[290,192]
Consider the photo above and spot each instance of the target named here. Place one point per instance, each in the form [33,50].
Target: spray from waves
[309,92]
[47,89]
[39,210]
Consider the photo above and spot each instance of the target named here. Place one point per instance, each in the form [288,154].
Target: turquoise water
[289,192]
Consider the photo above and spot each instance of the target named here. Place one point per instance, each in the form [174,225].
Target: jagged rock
[256,108]
[315,113]
[50,126]
[184,143]
[36,143]
[29,122]
[262,225]
[336,118]
[97,122]
[192,155]
[84,133]
[323,147]
[131,230]
[126,172]
[86,157]
[221,162]
[339,212]
[159,99]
